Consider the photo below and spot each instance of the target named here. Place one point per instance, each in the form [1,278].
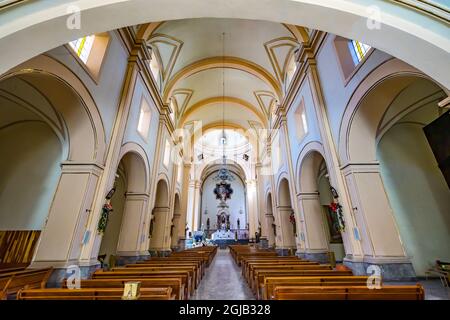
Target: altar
[223,235]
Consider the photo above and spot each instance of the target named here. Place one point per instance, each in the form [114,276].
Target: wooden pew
[158,264]
[184,276]
[174,283]
[142,270]
[12,282]
[349,293]
[258,282]
[93,294]
[266,292]
[249,267]
[200,263]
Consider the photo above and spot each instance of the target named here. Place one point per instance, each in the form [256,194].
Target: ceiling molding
[182,92]
[299,33]
[156,42]
[146,30]
[279,64]
[259,97]
[228,100]
[223,62]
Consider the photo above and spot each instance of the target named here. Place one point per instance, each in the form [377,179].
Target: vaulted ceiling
[212,68]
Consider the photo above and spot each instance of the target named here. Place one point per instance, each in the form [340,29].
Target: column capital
[82,167]
[136,196]
[360,167]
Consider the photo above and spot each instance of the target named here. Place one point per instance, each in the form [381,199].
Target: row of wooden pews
[14,279]
[161,278]
[272,277]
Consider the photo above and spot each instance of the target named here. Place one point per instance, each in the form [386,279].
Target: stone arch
[133,169]
[285,210]
[84,126]
[141,170]
[160,224]
[427,34]
[314,196]
[388,94]
[269,219]
[177,229]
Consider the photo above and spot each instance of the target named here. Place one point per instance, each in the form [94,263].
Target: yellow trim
[222,62]
[229,100]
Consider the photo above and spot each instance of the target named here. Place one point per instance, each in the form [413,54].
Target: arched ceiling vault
[193,54]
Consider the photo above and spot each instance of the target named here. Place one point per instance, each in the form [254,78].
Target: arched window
[358,50]
[83,47]
[90,52]
[301,120]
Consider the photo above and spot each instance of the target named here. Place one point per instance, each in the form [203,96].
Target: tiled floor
[434,289]
[223,281]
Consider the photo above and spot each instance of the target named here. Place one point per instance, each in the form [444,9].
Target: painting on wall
[333,225]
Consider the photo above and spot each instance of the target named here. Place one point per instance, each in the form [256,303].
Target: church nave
[223,280]
[224,150]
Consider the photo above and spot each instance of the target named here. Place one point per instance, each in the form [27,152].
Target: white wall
[29,171]
[107,92]
[335,91]
[417,191]
[236,203]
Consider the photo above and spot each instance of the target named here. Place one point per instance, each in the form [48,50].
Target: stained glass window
[83,47]
[358,50]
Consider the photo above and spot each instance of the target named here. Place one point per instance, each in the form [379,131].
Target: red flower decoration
[333,206]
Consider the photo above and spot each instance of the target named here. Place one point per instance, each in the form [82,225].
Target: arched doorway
[347,20]
[416,188]
[286,241]
[160,223]
[122,236]
[391,173]
[322,229]
[53,139]
[270,221]
[176,220]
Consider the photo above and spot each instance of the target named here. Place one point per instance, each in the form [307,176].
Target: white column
[160,238]
[316,239]
[252,207]
[133,236]
[61,240]
[375,222]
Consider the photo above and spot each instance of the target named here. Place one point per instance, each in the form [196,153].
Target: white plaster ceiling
[265,46]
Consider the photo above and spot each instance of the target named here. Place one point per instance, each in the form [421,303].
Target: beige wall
[418,193]
[29,171]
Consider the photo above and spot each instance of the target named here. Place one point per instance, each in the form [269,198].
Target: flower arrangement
[106,211]
[336,209]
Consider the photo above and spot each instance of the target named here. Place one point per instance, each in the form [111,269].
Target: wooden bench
[258,281]
[12,282]
[184,276]
[158,264]
[174,283]
[248,270]
[348,293]
[164,293]
[142,270]
[266,291]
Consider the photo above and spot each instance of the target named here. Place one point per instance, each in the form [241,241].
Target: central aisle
[223,280]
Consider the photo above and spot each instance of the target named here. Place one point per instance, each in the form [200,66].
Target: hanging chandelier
[223,188]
